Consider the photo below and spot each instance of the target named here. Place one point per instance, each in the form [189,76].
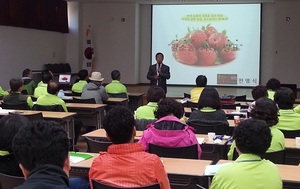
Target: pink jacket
[173,138]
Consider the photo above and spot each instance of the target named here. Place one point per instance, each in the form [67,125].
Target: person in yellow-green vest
[28,84]
[266,109]
[83,77]
[116,87]
[288,117]
[253,138]
[42,86]
[201,82]
[15,97]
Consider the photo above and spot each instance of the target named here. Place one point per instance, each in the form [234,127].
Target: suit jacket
[163,76]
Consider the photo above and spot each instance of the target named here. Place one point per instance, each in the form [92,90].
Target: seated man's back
[15,97]
[116,87]
[94,89]
[126,163]
[51,97]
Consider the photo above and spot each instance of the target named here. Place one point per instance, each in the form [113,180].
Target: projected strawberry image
[204,47]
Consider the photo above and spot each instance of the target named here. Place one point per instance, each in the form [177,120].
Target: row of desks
[101,134]
[194,169]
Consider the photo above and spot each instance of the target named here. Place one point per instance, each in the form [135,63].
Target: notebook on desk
[212,169]
[76,157]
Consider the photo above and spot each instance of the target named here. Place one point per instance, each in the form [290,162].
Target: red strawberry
[198,37]
[186,54]
[210,30]
[217,40]
[228,55]
[207,57]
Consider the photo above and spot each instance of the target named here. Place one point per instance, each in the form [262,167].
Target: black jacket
[164,75]
[46,177]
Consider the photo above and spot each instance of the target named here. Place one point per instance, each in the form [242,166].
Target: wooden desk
[135,100]
[190,167]
[88,112]
[65,118]
[101,134]
[175,168]
[289,174]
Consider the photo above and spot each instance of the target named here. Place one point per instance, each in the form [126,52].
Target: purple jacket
[172,138]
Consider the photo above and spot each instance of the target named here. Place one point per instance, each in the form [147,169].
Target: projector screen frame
[192,81]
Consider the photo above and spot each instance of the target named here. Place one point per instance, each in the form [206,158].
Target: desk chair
[95,146]
[9,182]
[204,127]
[31,117]
[186,95]
[230,106]
[277,157]
[192,104]
[117,95]
[242,98]
[23,106]
[86,101]
[187,152]
[99,185]
[54,108]
[141,124]
[291,134]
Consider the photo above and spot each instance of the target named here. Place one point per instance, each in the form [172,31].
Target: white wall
[287,42]
[114,41]
[22,48]
[73,39]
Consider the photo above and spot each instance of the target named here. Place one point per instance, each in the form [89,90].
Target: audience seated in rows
[253,138]
[28,84]
[154,95]
[116,88]
[209,110]
[272,85]
[201,82]
[15,97]
[257,92]
[94,89]
[83,77]
[288,118]
[126,164]
[9,126]
[168,130]
[266,109]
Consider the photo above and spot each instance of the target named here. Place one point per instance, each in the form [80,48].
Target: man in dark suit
[159,73]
